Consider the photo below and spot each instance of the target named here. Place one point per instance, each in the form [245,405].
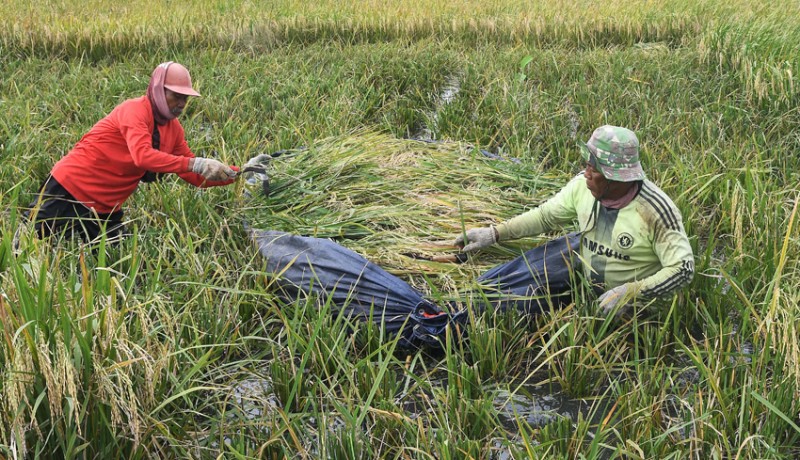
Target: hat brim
[185,90]
[585,152]
[629,174]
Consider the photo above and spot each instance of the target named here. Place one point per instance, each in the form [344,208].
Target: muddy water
[533,404]
[449,92]
[538,405]
[254,397]
[530,405]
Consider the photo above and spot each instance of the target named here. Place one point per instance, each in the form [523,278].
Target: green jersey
[643,243]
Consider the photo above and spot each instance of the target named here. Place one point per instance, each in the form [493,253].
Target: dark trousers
[537,280]
[57,212]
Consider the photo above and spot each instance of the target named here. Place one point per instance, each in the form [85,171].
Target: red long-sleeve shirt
[105,166]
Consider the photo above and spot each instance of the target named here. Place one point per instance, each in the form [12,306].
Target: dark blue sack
[305,265]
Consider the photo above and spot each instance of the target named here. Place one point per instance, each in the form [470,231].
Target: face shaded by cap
[614,151]
[173,78]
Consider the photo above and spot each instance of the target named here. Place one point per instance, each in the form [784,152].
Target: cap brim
[185,90]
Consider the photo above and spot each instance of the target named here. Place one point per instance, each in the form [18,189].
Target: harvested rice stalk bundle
[397,202]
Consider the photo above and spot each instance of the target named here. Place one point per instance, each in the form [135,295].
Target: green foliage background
[142,351]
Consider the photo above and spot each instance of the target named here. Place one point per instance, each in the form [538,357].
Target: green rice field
[174,344]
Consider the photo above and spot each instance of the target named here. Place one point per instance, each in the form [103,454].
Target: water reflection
[539,404]
[533,404]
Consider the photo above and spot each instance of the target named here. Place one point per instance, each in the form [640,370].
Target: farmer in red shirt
[137,142]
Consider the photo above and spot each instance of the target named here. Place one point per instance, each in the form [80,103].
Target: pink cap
[178,80]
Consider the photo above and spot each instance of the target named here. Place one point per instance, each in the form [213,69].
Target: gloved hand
[477,238]
[619,295]
[212,169]
[257,161]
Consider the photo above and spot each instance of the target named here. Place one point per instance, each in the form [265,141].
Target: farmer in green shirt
[632,241]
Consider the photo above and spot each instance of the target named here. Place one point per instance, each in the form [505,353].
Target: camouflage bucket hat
[614,151]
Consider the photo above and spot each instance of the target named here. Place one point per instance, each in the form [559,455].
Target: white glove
[257,161]
[212,169]
[477,238]
[610,299]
